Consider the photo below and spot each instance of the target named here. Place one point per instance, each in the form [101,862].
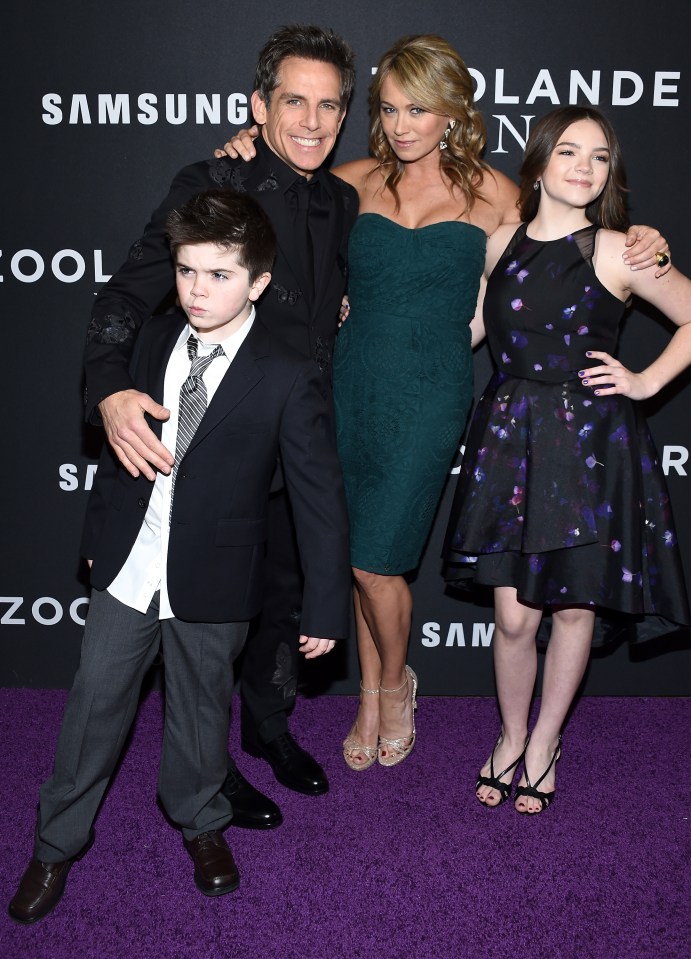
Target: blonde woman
[403,379]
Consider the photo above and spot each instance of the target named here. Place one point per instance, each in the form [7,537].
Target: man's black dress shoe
[251,809]
[292,766]
[215,872]
[41,887]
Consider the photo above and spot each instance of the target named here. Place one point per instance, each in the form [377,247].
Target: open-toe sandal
[495,782]
[352,746]
[399,749]
[532,791]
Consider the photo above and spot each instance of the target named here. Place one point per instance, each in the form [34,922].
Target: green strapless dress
[403,380]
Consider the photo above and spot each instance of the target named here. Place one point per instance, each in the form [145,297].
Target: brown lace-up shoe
[215,872]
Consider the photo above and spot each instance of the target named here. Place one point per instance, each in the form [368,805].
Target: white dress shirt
[144,570]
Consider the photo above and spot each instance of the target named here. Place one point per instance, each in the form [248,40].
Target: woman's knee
[574,617]
[368,583]
[516,623]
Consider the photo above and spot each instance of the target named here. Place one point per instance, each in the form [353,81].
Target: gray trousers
[118,648]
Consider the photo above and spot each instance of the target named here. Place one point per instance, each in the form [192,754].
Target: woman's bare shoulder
[355,172]
[502,193]
[497,242]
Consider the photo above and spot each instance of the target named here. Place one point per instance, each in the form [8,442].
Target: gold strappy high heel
[352,745]
[400,749]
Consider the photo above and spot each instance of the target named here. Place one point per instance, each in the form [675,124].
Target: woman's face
[411,130]
[578,168]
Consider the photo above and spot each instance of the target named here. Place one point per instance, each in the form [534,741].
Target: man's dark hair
[233,221]
[308,43]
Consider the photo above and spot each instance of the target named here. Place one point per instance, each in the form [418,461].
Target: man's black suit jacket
[147,277]
[270,400]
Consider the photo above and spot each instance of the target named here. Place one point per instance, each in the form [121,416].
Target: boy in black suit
[180,559]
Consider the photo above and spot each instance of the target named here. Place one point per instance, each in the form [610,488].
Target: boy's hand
[135,445]
[312,646]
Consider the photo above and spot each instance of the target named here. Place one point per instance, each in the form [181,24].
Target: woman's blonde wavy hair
[435,78]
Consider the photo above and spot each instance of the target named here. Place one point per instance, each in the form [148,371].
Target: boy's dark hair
[308,43]
[233,221]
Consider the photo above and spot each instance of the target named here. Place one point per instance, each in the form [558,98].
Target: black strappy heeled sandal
[532,791]
[494,782]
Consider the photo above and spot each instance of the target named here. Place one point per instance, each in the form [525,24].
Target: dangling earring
[443,145]
[536,185]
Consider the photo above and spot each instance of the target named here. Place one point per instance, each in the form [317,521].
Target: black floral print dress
[561,494]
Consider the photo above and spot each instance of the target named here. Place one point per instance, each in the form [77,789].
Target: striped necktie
[192,403]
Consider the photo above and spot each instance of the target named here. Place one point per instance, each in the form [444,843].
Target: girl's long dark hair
[609,209]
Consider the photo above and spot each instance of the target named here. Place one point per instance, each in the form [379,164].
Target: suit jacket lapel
[260,178]
[275,206]
[326,253]
[242,376]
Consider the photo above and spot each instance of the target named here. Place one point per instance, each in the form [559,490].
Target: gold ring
[662,258]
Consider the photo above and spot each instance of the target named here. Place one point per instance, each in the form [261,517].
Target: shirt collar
[285,176]
[228,345]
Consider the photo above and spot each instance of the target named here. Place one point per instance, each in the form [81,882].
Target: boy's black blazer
[270,401]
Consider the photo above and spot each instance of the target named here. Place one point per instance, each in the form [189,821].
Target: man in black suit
[303,82]
[181,558]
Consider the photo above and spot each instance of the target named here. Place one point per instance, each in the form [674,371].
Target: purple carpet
[391,863]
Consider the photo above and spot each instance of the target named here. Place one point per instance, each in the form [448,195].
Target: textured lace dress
[403,379]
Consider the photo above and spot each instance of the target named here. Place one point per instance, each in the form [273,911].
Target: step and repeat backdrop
[103,102]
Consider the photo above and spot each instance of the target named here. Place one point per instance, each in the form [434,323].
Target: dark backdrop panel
[103,102]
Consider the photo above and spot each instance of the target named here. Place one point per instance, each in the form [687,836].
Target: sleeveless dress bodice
[403,379]
[547,339]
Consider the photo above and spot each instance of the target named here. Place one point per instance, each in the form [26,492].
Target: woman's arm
[477,324]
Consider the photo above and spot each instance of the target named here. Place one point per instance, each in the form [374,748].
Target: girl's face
[578,168]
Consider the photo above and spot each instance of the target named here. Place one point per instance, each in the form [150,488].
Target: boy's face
[214,289]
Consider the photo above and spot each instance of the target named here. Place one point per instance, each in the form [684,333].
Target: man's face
[305,115]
